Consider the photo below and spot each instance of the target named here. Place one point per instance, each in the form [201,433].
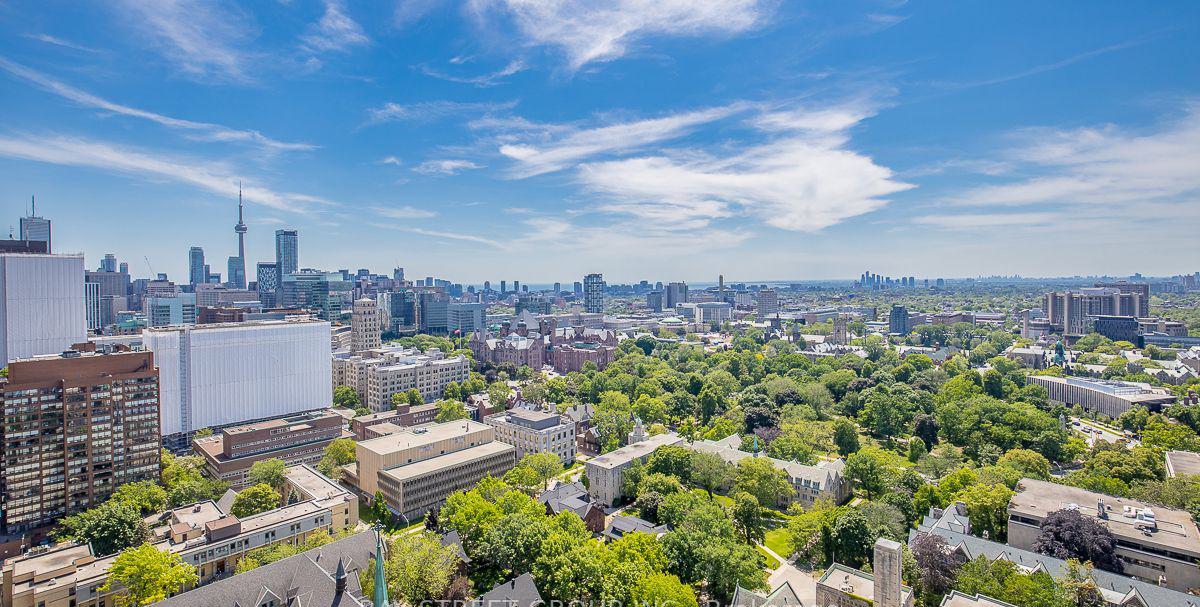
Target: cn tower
[240,280]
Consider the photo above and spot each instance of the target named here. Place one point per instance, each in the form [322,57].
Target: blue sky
[539,140]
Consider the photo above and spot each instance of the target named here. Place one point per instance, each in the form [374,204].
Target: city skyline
[757,139]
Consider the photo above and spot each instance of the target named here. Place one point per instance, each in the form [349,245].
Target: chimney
[887,573]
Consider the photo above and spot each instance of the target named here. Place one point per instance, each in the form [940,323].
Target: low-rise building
[296,439]
[535,432]
[202,535]
[843,586]
[1110,397]
[824,480]
[418,468]
[953,526]
[1157,544]
[1180,463]
[606,472]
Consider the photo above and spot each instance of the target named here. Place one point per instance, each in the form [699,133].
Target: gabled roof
[624,525]
[308,576]
[518,592]
[1116,589]
[783,596]
[454,542]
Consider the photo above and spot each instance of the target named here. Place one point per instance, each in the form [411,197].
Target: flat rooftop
[628,453]
[1182,462]
[1176,529]
[416,437]
[449,460]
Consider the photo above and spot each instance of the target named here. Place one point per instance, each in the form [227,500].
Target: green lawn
[768,561]
[777,540]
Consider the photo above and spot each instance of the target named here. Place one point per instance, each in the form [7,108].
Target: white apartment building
[42,304]
[222,374]
[535,432]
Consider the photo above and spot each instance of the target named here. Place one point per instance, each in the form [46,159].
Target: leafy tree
[613,420]
[710,472]
[452,391]
[147,575]
[706,547]
[546,465]
[418,569]
[916,449]
[1029,463]
[867,472]
[498,392]
[845,436]
[987,507]
[926,426]
[671,460]
[344,397]
[182,478]
[851,539]
[1005,581]
[110,527]
[338,453]
[1067,534]
[747,514]
[146,497]
[253,500]
[761,479]
[662,589]
[450,410]
[660,484]
[1126,465]
[938,565]
[267,472]
[885,519]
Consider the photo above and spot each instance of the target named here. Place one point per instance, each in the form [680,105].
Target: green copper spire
[381,596]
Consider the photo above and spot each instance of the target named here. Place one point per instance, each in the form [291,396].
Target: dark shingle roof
[624,525]
[308,576]
[518,592]
[453,541]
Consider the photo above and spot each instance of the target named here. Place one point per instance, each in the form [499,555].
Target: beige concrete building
[1155,544]
[203,535]
[296,439]
[417,468]
[365,325]
[535,432]
[606,472]
[379,373]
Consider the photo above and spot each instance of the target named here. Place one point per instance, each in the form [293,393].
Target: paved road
[1091,432]
[802,581]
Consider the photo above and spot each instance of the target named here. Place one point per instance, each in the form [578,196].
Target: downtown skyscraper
[286,255]
[196,270]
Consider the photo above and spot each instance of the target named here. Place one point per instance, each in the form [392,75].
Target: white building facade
[217,375]
[42,304]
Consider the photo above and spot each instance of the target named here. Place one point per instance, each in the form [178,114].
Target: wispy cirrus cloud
[60,42]
[486,80]
[198,130]
[403,212]
[217,178]
[433,110]
[204,39]
[984,221]
[602,30]
[565,146]
[335,31]
[444,235]
[446,166]
[1098,166]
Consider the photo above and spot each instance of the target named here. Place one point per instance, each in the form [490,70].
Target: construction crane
[147,258]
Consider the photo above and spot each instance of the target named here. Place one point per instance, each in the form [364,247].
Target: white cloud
[562,151]
[56,41]
[404,212]
[433,110]
[335,31]
[794,183]
[201,37]
[448,166]
[213,177]
[486,80]
[447,235]
[392,160]
[200,130]
[603,30]
[1096,167]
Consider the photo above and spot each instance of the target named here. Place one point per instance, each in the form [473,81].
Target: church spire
[380,598]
